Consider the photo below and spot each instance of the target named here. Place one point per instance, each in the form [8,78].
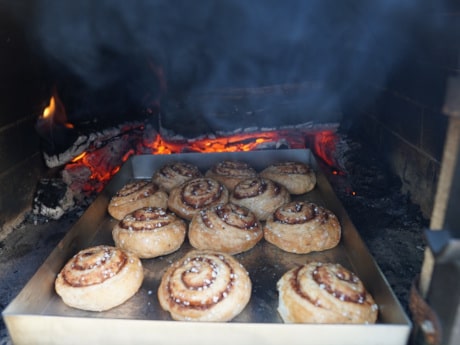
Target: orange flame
[232,143]
[50,109]
[55,111]
[80,156]
[321,143]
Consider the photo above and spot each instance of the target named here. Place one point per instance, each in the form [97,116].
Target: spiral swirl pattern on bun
[150,232]
[205,286]
[230,172]
[136,194]
[99,278]
[228,228]
[262,196]
[324,293]
[303,227]
[297,177]
[194,195]
[173,174]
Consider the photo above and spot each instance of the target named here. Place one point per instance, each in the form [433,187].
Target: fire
[101,164]
[80,156]
[55,112]
[324,147]
[91,170]
[232,143]
[50,109]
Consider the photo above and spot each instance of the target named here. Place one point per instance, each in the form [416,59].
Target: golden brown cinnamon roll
[230,172]
[205,286]
[174,173]
[262,196]
[297,177]
[324,293]
[136,194]
[303,227]
[227,228]
[150,232]
[99,278]
[194,195]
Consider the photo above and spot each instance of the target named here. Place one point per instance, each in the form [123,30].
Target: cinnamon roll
[324,293]
[297,177]
[262,196]
[230,172]
[150,232]
[228,228]
[136,194]
[99,278]
[205,286]
[194,195]
[303,227]
[174,173]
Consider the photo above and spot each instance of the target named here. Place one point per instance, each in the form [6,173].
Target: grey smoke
[207,44]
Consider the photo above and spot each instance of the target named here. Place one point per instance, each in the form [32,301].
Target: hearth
[372,100]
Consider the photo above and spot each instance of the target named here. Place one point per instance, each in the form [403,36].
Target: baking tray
[38,316]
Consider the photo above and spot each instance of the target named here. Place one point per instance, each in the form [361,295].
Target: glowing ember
[239,142]
[79,157]
[324,147]
[103,163]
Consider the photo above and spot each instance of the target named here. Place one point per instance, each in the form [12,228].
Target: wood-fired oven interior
[375,73]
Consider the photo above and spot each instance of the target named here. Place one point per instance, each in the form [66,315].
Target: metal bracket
[444,247]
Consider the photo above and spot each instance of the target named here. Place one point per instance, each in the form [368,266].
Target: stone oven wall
[406,123]
[22,95]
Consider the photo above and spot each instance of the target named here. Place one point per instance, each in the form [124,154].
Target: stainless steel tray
[38,316]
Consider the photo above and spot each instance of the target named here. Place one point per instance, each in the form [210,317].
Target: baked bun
[174,173]
[297,177]
[227,228]
[150,232]
[262,196]
[136,194]
[205,286]
[303,227]
[230,172]
[324,293]
[99,278]
[194,195]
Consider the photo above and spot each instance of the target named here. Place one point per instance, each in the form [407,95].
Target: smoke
[229,43]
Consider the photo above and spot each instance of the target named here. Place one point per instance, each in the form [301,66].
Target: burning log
[86,168]
[63,143]
[93,158]
[93,141]
[88,173]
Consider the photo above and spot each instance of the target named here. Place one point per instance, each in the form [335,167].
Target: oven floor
[388,222]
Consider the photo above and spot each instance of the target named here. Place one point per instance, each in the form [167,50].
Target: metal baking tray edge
[30,319]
